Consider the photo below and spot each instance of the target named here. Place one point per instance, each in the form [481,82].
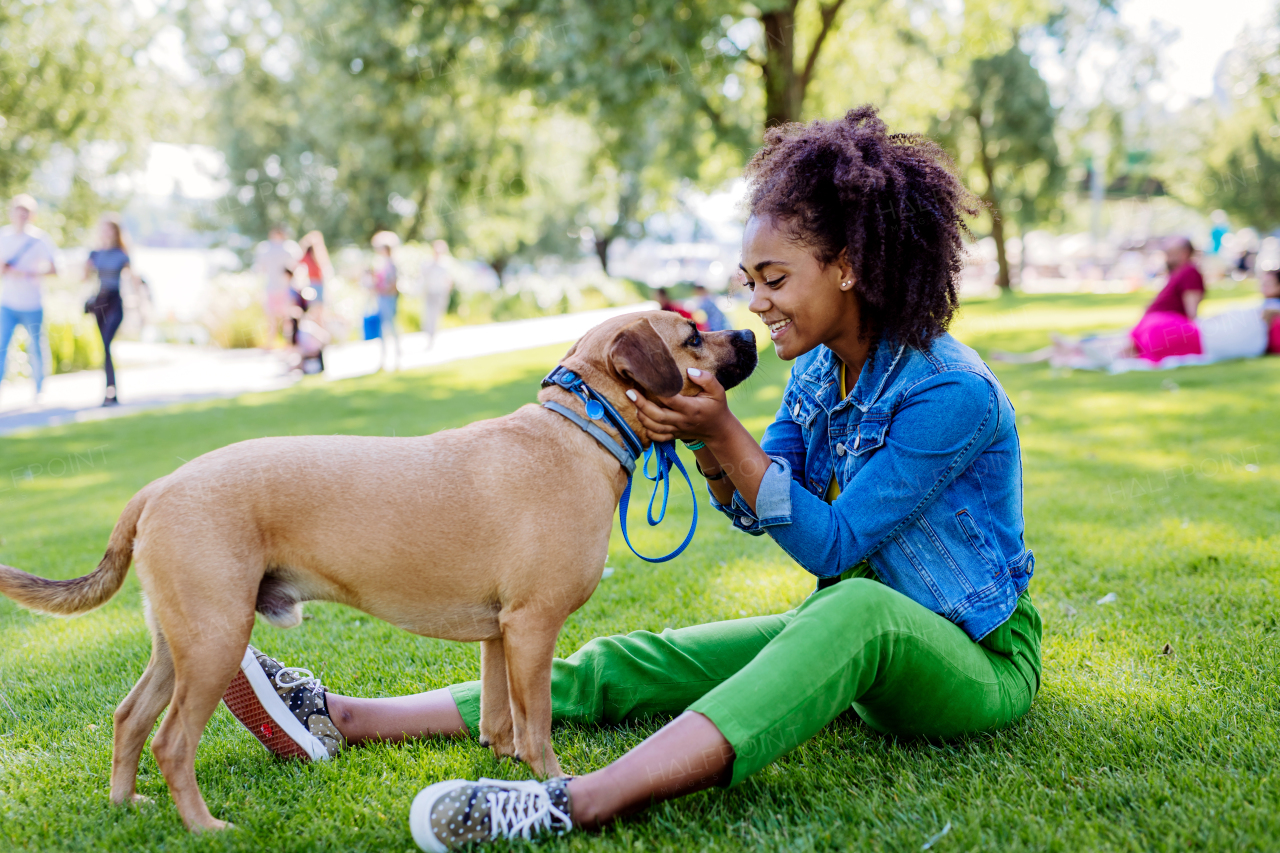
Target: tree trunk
[993,205]
[783,90]
[997,233]
[419,215]
[499,264]
[784,83]
[602,251]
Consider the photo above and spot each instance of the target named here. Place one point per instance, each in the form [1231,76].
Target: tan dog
[495,533]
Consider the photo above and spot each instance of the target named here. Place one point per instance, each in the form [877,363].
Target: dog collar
[598,408]
[664,454]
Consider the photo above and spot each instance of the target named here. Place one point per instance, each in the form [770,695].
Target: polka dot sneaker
[451,814]
[284,707]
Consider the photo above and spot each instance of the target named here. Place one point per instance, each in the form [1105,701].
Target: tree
[336,126]
[1242,158]
[668,85]
[785,80]
[79,94]
[652,92]
[1002,135]
[1242,178]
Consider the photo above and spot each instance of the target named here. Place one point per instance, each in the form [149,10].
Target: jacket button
[839,450]
[795,413]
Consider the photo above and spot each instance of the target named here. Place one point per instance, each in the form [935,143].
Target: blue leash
[664,455]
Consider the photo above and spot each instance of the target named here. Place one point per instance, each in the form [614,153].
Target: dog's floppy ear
[640,354]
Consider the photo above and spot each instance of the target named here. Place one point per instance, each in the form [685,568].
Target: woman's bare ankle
[396,718]
[340,712]
[585,803]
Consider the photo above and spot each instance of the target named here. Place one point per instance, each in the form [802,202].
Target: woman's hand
[706,418]
[698,418]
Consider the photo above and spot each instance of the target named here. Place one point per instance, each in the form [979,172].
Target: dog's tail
[70,597]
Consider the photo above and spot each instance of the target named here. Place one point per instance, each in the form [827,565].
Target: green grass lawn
[1162,488]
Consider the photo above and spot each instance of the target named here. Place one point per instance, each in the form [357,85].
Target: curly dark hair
[892,200]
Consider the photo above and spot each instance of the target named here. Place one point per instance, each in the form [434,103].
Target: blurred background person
[109,261]
[1221,228]
[666,303]
[1269,283]
[437,285]
[26,256]
[1184,290]
[386,287]
[1245,245]
[276,260]
[1240,333]
[713,319]
[315,258]
[1168,325]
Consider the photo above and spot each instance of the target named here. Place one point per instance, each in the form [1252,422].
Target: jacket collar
[822,379]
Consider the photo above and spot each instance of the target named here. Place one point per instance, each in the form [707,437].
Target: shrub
[241,327]
[75,346]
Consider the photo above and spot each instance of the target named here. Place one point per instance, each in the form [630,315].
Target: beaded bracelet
[694,445]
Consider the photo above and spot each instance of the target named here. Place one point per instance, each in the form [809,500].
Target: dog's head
[652,351]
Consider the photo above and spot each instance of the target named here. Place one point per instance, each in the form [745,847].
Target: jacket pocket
[979,542]
[801,409]
[869,436]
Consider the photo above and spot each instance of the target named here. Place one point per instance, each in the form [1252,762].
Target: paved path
[151,375]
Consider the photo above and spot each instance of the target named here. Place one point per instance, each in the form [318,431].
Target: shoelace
[520,807]
[298,677]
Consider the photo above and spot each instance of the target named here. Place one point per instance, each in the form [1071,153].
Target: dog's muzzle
[744,359]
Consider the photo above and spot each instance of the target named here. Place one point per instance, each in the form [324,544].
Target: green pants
[769,683]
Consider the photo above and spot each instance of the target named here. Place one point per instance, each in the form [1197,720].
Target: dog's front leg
[530,643]
[495,705]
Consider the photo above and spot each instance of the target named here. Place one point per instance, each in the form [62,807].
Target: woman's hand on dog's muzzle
[690,418]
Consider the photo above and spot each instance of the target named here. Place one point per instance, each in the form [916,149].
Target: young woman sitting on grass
[892,473]
[1170,340]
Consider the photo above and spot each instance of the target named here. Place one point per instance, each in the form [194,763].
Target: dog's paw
[503,744]
[548,766]
[132,800]
[502,748]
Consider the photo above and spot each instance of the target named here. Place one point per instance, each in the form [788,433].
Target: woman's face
[106,234]
[798,297]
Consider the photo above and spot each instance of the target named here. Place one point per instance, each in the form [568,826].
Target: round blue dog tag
[595,411]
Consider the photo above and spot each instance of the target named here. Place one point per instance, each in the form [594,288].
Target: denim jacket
[926,454]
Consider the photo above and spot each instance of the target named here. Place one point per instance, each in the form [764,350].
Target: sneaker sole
[420,814]
[254,702]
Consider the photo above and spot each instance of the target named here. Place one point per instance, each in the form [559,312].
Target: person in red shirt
[1269,281]
[1185,288]
[1168,326]
[665,303]
[315,258]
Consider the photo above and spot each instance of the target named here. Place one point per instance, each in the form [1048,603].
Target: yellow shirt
[833,488]
[863,569]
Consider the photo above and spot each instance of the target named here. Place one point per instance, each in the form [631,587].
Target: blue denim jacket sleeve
[785,445]
[942,424]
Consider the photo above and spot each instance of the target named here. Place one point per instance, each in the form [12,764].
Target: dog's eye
[695,341]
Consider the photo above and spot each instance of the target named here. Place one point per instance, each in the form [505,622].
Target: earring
[845,285]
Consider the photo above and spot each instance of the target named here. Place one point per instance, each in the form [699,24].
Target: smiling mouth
[777,328]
